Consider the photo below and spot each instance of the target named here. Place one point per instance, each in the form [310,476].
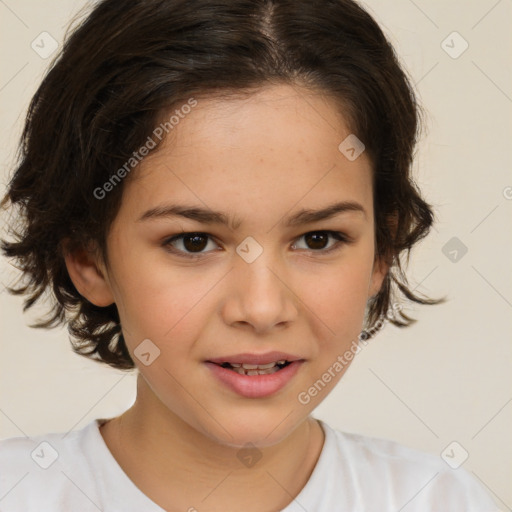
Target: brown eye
[319,241]
[195,242]
[189,244]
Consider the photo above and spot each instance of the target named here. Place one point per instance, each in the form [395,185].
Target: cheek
[338,297]
[161,302]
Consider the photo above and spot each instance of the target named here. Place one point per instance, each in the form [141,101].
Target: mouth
[255,375]
[255,369]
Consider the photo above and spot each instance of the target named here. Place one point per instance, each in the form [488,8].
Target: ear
[379,272]
[88,274]
[382,263]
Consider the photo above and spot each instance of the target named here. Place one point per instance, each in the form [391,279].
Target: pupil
[313,239]
[198,242]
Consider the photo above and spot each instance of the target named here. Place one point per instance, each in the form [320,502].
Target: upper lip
[247,358]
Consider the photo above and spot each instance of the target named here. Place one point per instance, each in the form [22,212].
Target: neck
[180,468]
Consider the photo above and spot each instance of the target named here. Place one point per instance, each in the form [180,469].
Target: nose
[260,295]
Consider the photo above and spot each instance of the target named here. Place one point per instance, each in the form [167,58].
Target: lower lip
[255,386]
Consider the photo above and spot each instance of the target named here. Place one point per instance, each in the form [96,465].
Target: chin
[259,430]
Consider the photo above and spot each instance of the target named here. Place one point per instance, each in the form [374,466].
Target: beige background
[448,378]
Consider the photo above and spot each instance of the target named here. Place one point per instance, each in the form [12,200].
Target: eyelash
[341,238]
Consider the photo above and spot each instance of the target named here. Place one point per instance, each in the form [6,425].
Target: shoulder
[406,477]
[45,450]
[38,470]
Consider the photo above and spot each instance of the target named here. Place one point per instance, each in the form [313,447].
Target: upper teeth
[246,366]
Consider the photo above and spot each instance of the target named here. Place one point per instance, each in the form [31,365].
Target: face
[273,283]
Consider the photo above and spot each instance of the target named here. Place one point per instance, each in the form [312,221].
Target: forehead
[257,122]
[278,147]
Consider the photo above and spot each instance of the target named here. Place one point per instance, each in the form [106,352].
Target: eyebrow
[207,216]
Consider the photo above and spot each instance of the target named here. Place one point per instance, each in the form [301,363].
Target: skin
[259,160]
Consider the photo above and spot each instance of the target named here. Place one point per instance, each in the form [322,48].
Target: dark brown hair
[129,62]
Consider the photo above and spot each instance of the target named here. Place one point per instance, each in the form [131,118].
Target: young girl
[218,193]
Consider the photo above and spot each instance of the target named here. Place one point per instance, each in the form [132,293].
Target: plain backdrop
[448,377]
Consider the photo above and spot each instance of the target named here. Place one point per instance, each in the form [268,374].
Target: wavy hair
[129,62]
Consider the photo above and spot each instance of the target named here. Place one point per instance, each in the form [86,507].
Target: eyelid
[190,255]
[341,237]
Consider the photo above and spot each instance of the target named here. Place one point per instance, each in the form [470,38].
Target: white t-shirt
[77,473]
